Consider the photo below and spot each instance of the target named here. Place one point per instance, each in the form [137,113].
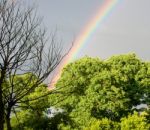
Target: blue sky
[127,29]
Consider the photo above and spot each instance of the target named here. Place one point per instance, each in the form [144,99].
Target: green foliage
[135,122]
[36,100]
[115,90]
[19,83]
[94,94]
[75,80]
[125,69]
[93,89]
[143,78]
[79,73]
[31,114]
[28,119]
[104,124]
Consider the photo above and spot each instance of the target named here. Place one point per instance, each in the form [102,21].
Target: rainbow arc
[82,40]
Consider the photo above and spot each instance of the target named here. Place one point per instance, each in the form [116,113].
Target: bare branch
[25,51]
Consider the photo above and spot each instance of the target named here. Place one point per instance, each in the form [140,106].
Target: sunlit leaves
[96,89]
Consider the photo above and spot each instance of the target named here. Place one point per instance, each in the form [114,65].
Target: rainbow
[85,34]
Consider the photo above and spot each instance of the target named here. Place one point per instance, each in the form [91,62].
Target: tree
[72,86]
[135,121]
[104,124]
[94,89]
[23,50]
[31,114]
[117,88]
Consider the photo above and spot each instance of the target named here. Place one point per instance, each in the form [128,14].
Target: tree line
[105,94]
[91,94]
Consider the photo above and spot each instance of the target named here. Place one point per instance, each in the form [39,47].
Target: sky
[125,30]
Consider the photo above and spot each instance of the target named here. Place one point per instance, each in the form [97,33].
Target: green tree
[90,88]
[104,124]
[31,117]
[30,109]
[116,89]
[72,87]
[135,121]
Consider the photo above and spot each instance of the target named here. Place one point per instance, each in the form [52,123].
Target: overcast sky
[127,29]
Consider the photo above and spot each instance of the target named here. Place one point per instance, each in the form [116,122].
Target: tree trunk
[8,119]
[1,110]
[2,113]
[8,124]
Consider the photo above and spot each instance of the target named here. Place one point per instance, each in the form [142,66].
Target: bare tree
[23,49]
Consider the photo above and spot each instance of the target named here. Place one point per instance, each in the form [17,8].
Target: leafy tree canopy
[90,88]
